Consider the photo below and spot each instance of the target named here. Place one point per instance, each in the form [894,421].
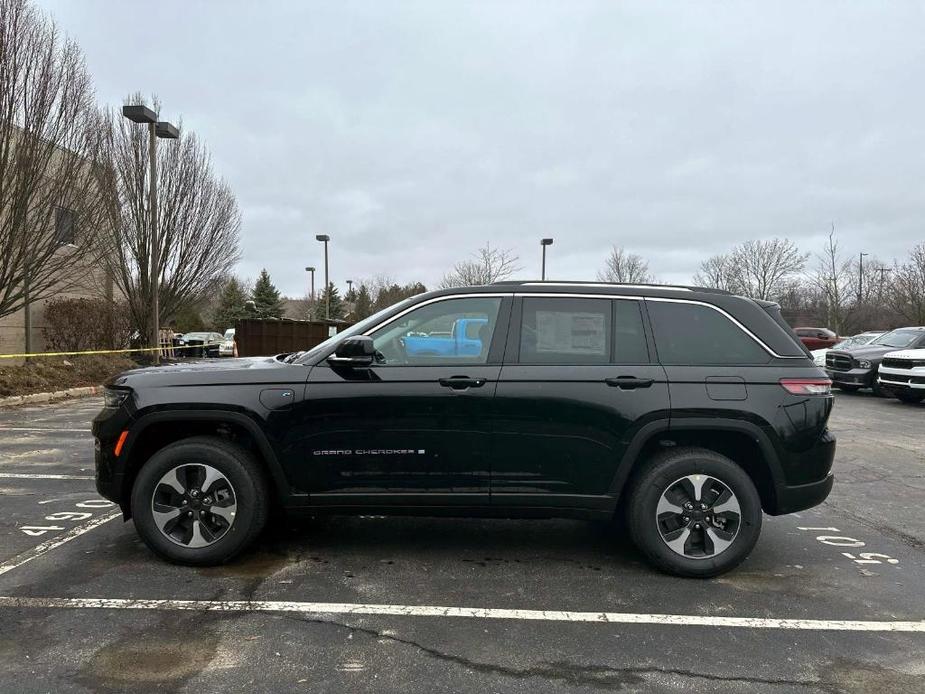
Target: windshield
[899,338]
[355,329]
[229,333]
[856,340]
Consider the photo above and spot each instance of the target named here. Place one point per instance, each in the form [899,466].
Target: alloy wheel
[194,505]
[698,516]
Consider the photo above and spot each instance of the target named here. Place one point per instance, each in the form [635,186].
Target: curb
[40,398]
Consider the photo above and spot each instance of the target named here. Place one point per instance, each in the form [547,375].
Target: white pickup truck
[902,375]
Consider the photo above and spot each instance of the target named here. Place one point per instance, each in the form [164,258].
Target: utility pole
[882,270]
[543,244]
[861,277]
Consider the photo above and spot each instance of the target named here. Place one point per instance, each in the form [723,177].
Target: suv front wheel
[694,513]
[199,501]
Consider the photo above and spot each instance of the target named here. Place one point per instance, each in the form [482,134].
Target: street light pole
[324,238]
[156,129]
[312,270]
[349,286]
[543,244]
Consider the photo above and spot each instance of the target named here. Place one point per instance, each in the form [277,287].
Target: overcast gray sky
[415,132]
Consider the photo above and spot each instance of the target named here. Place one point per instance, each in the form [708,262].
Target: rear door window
[693,334]
[565,331]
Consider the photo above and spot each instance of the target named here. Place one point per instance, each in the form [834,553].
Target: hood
[209,372]
[907,354]
[864,351]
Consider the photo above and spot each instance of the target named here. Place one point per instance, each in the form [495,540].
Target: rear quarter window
[693,334]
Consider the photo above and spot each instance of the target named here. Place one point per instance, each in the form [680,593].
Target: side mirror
[354,352]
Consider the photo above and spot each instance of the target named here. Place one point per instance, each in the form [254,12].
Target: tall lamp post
[142,114]
[544,243]
[312,270]
[324,238]
[349,286]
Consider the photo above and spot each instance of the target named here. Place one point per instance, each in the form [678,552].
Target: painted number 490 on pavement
[92,504]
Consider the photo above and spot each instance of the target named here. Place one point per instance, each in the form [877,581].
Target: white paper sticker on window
[575,333]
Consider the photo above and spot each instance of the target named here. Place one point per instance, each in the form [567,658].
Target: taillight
[807,386]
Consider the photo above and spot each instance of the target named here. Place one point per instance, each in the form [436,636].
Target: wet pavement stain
[165,656]
[260,565]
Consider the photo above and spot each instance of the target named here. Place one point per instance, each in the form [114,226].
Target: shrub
[73,325]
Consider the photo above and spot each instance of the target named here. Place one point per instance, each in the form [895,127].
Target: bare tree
[198,218]
[489,265]
[908,285]
[765,266]
[832,279]
[51,206]
[719,272]
[759,269]
[622,266]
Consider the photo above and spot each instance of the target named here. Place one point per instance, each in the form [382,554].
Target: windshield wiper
[292,357]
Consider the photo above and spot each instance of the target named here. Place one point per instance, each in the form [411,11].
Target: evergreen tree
[336,305]
[230,305]
[363,307]
[266,297]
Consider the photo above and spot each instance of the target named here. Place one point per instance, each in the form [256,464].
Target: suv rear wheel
[199,501]
[694,512]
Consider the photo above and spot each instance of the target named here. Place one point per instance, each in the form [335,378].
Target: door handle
[629,382]
[461,382]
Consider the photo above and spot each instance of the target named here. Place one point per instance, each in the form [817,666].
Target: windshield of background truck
[899,338]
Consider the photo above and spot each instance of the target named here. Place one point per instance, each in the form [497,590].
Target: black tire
[239,468]
[660,474]
[909,398]
[846,388]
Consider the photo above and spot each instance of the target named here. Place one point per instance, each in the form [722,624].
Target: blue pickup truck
[463,341]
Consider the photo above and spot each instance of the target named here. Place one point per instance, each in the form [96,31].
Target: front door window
[455,331]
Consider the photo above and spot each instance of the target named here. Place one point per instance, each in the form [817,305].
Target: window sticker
[573,333]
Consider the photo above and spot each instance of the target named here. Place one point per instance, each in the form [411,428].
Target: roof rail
[630,285]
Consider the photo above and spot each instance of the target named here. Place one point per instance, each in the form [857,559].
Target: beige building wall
[93,284]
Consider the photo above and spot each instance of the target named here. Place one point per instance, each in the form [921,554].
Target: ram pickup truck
[464,340]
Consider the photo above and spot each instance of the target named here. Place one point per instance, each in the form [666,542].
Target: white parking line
[36,476]
[336,608]
[53,429]
[49,545]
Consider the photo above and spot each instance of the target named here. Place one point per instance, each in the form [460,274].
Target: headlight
[113,397]
[864,364]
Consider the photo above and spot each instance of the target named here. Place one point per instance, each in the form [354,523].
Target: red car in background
[816,338]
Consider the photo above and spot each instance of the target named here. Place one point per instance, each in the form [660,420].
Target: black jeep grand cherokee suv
[687,411]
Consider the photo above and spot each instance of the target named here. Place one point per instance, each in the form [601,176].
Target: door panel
[563,430]
[394,431]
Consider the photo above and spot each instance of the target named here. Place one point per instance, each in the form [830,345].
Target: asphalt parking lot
[831,600]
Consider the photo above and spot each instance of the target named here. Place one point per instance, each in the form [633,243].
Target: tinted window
[451,331]
[694,334]
[565,331]
[630,336]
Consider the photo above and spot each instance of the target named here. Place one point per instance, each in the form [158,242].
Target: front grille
[838,362]
[903,363]
[895,378]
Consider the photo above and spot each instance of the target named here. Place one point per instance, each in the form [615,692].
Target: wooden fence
[257,337]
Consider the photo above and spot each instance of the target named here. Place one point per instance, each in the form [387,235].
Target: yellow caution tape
[97,351]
